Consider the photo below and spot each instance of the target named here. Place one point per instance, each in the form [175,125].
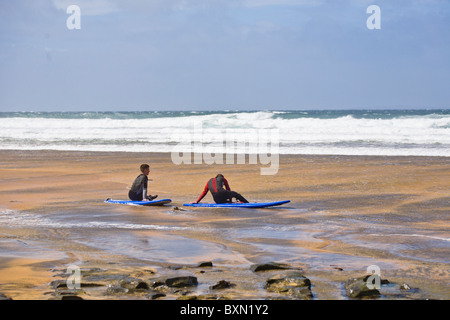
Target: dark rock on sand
[269,266]
[142,285]
[202,264]
[3,297]
[157,296]
[55,284]
[127,285]
[62,284]
[158,283]
[116,290]
[291,283]
[222,284]
[180,282]
[205,264]
[133,284]
[187,297]
[405,286]
[357,287]
[71,297]
[336,267]
[176,267]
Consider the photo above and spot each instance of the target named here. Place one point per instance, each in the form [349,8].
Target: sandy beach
[346,213]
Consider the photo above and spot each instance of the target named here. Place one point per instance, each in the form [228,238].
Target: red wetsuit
[219,193]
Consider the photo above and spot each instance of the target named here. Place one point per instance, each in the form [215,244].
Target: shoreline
[169,152]
[345,209]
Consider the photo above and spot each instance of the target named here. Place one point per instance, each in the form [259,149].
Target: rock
[157,295]
[142,285]
[292,283]
[187,297]
[157,283]
[133,284]
[58,283]
[205,264]
[3,297]
[91,285]
[208,296]
[180,282]
[112,290]
[269,266]
[127,285]
[176,267]
[405,286]
[71,297]
[336,267]
[222,284]
[62,284]
[357,287]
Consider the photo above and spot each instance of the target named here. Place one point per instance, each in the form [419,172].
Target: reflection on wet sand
[346,213]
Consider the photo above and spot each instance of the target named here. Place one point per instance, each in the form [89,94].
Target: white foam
[407,135]
[413,235]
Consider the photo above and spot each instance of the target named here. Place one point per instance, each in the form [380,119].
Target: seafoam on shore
[338,132]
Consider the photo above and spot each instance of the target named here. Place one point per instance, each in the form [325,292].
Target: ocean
[334,132]
[346,213]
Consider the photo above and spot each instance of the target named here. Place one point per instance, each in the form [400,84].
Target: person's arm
[205,191]
[144,194]
[144,190]
[227,186]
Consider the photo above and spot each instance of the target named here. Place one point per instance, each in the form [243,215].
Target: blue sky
[223,54]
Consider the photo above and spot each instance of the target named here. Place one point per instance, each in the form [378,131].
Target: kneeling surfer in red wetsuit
[219,193]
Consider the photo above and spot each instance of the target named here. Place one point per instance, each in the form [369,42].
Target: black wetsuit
[137,189]
[219,193]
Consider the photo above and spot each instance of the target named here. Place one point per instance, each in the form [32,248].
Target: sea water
[336,132]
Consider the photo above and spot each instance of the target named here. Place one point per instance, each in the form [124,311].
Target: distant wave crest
[363,132]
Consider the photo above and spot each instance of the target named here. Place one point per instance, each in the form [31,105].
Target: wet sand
[346,213]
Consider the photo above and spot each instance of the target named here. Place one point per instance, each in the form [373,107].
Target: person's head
[145,168]
[220,176]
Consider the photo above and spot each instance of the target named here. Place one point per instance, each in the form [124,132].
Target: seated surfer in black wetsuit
[138,191]
[219,193]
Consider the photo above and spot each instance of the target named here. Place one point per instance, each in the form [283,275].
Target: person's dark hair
[220,176]
[144,166]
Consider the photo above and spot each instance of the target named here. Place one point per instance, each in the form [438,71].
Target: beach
[346,213]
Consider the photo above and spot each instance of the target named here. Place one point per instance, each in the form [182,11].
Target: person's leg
[234,194]
[134,196]
[222,197]
[227,196]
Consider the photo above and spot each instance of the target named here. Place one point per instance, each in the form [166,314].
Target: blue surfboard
[238,204]
[140,203]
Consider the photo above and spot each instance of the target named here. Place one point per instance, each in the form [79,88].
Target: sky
[139,55]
